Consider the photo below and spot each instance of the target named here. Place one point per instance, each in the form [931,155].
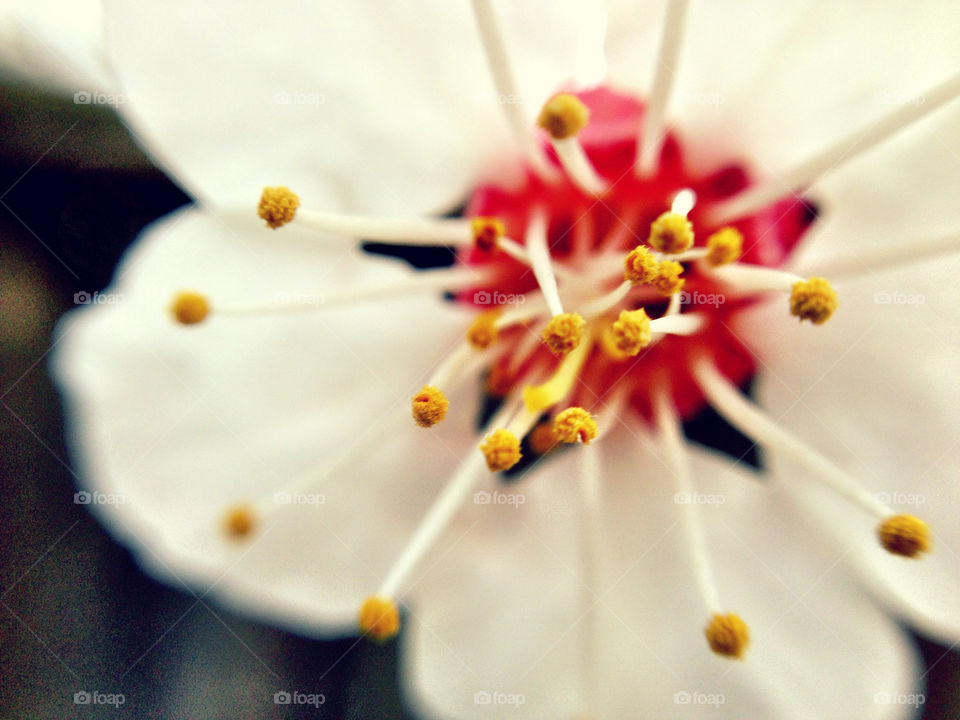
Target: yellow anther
[671,233]
[429,406]
[501,450]
[728,635]
[483,332]
[542,439]
[724,246]
[487,232]
[190,308]
[277,206]
[641,267]
[575,424]
[814,300]
[631,331]
[239,521]
[608,343]
[379,619]
[563,116]
[562,334]
[668,280]
[904,535]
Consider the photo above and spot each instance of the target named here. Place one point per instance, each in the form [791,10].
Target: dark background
[76,613]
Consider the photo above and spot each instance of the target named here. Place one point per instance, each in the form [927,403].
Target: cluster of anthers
[630,269]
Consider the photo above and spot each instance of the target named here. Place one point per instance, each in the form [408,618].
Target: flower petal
[876,391]
[386,107]
[180,423]
[820,647]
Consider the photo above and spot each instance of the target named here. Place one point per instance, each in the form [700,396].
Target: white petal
[774,83]
[499,612]
[184,422]
[876,391]
[381,106]
[56,44]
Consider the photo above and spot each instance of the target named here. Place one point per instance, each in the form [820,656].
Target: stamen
[429,406]
[683,202]
[278,206]
[541,262]
[239,521]
[640,266]
[814,300]
[483,332]
[837,154]
[631,331]
[563,117]
[539,398]
[486,232]
[602,304]
[503,80]
[501,450]
[728,635]
[751,421]
[379,619]
[671,233]
[190,308]
[904,535]
[575,425]
[652,132]
[442,511]
[668,280]
[563,333]
[724,247]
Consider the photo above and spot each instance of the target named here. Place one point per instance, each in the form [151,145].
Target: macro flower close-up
[641,213]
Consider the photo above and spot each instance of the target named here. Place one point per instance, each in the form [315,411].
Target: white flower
[390,112]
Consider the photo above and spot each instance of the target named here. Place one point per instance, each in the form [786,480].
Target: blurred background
[76,613]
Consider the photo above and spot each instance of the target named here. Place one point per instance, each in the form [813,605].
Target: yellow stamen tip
[814,300]
[190,308]
[379,619]
[728,635]
[487,232]
[641,267]
[239,521]
[668,280]
[563,116]
[277,206]
[563,333]
[483,332]
[575,424]
[724,246]
[671,233]
[429,406]
[904,535]
[542,439]
[501,450]
[631,331]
